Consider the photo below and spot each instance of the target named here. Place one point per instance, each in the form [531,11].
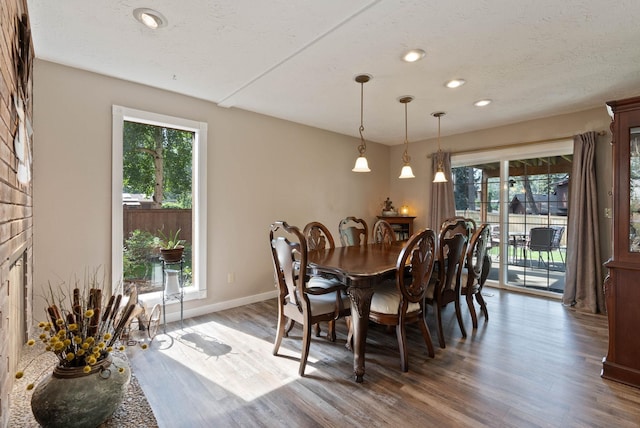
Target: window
[516,191]
[158,162]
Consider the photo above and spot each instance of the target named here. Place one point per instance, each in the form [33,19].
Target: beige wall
[416,192]
[260,169]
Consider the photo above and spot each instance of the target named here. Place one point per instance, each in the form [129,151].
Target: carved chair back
[353,232]
[383,232]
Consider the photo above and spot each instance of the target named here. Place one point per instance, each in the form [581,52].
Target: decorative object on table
[171,246]
[88,381]
[404,210]
[388,209]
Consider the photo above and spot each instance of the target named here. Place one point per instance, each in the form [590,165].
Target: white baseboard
[215,307]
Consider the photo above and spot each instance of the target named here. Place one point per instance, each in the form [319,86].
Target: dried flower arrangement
[81,331]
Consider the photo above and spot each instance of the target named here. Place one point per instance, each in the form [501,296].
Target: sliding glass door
[525,200]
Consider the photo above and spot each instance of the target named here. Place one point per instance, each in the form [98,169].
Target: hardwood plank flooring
[534,364]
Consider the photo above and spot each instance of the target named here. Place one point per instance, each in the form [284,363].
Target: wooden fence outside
[152,220]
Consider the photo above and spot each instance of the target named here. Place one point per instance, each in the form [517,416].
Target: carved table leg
[360,306]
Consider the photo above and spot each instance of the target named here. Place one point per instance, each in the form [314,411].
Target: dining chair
[458,224]
[446,289]
[474,273]
[383,232]
[353,231]
[297,301]
[400,301]
[318,237]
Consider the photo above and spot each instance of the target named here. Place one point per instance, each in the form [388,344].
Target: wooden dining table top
[368,261]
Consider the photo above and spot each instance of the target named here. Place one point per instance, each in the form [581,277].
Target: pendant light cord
[363,145]
[405,156]
[440,165]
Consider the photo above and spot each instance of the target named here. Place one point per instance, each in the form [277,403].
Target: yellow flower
[48,348]
[101,345]
[90,340]
[58,346]
[91,360]
[53,339]
[73,327]
[47,327]
[19,375]
[59,321]
[107,336]
[86,369]
[67,342]
[70,356]
[42,336]
[30,387]
[80,352]
[109,348]
[77,340]
[121,370]
[95,350]
[31,342]
[144,346]
[85,345]
[62,332]
[42,324]
[88,313]
[121,348]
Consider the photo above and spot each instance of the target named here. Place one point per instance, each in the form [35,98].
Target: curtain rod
[512,145]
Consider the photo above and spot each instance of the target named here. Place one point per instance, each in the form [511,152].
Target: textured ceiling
[297,60]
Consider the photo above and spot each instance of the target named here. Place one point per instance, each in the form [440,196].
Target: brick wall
[16,58]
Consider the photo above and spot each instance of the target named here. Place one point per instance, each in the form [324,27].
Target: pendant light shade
[439,176]
[406,171]
[361,163]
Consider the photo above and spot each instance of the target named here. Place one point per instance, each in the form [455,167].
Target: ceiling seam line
[222,102]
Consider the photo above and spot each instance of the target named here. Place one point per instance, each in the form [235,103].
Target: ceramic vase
[70,398]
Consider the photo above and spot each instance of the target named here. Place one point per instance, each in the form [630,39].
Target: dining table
[360,268]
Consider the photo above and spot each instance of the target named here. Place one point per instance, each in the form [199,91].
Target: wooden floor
[534,364]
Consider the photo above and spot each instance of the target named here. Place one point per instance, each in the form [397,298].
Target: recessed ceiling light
[413,55]
[150,18]
[455,83]
[482,103]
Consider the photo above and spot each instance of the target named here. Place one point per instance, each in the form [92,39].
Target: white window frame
[121,114]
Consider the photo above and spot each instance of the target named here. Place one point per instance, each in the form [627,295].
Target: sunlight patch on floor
[238,362]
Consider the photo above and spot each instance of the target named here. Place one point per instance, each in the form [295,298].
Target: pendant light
[439,177]
[406,171]
[361,163]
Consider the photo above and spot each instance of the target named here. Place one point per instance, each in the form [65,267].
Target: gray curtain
[584,288]
[442,203]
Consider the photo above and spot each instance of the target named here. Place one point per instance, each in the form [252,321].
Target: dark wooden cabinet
[622,285]
[402,225]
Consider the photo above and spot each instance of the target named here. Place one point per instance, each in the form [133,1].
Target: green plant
[138,252]
[171,240]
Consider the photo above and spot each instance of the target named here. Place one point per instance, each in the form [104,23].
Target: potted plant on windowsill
[171,246]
